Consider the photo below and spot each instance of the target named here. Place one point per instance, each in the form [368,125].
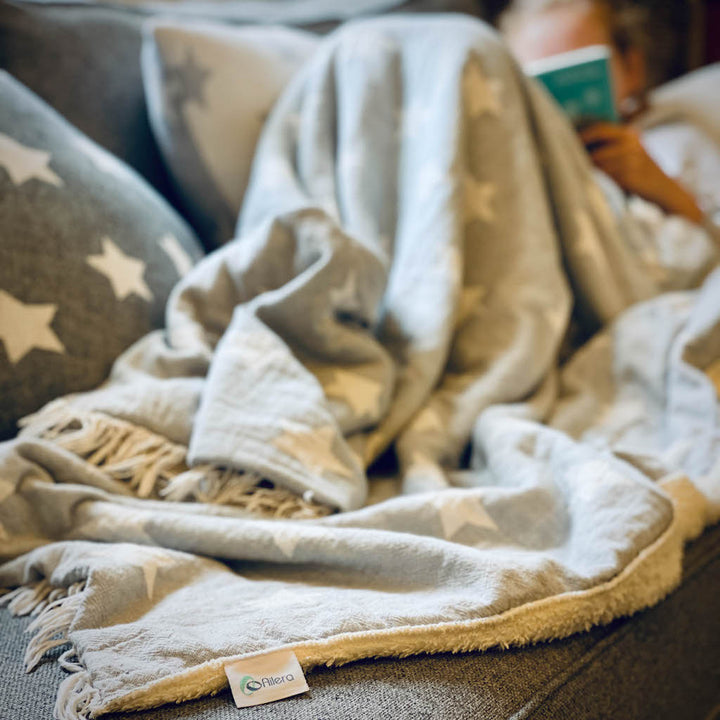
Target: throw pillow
[209,88]
[88,255]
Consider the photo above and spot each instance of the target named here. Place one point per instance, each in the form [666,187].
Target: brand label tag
[265,678]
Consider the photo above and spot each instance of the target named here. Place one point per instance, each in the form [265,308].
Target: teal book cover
[580,81]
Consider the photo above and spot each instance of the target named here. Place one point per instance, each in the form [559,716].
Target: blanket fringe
[75,697]
[54,609]
[153,466]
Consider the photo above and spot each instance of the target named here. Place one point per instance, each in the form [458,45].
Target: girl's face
[569,27]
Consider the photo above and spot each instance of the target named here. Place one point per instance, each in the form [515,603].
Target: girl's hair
[629,24]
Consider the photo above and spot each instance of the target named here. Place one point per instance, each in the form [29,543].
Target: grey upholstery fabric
[661,664]
[88,255]
[85,63]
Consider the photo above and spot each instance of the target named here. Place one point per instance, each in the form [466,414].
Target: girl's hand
[619,153]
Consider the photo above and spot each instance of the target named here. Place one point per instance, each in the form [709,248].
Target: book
[580,81]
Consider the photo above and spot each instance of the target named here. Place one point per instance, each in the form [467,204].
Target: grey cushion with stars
[88,255]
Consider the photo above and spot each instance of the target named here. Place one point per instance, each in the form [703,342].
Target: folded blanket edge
[645,581]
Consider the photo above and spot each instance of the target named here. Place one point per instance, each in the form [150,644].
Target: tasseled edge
[54,610]
[75,697]
[153,466]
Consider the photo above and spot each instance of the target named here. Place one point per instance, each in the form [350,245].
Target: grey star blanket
[422,248]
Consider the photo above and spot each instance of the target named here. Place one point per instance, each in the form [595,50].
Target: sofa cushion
[88,255]
[209,88]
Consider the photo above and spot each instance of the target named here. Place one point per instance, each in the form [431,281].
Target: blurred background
[685,33]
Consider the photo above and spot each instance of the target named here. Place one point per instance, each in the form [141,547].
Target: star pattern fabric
[458,510]
[185,83]
[180,259]
[124,526]
[427,420]
[479,197]
[361,393]
[124,272]
[24,163]
[482,94]
[150,561]
[25,327]
[443,554]
[312,447]
[72,210]
[286,540]
[471,302]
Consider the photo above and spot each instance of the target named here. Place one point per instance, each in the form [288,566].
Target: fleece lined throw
[419,226]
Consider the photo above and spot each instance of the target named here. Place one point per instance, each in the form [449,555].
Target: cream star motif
[478,200]
[481,93]
[180,259]
[361,393]
[26,327]
[586,244]
[24,163]
[427,420]
[126,525]
[458,510]
[471,302]
[312,447]
[124,272]
[150,563]
[286,540]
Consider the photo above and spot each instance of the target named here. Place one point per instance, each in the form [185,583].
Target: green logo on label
[249,685]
